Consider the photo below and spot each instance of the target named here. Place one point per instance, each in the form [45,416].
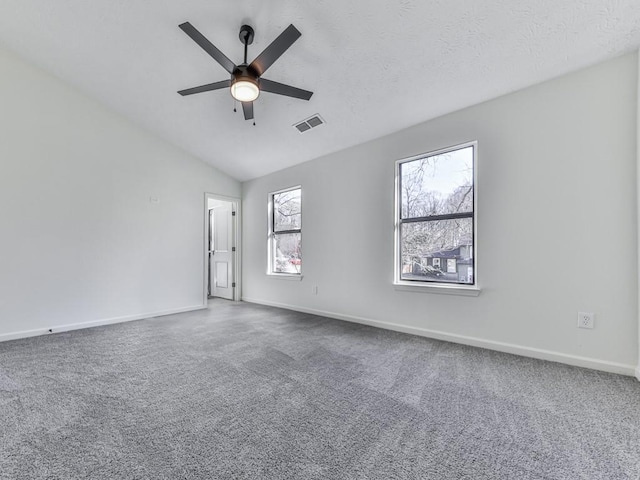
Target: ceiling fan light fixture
[246,81]
[245,89]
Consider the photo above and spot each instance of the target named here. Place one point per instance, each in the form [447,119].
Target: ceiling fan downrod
[246,37]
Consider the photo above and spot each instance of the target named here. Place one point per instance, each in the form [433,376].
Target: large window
[285,231]
[435,217]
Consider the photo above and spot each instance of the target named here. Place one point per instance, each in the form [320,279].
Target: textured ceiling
[375,66]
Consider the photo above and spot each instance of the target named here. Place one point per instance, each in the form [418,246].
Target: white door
[221,251]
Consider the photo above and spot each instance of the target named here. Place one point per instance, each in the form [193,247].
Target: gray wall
[557,200]
[81,243]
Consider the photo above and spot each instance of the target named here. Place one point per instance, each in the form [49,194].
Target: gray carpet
[249,392]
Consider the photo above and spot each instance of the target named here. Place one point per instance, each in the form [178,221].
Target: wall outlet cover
[586,319]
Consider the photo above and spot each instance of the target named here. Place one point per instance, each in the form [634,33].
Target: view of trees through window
[436,217]
[286,231]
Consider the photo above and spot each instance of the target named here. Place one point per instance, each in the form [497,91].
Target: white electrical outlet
[586,319]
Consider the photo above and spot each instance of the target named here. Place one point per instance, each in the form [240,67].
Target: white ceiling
[375,66]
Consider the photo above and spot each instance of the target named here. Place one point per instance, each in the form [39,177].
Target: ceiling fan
[246,80]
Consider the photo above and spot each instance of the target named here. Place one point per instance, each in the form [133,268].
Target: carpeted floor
[249,392]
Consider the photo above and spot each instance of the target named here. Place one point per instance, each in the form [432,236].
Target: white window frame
[435,287]
[272,234]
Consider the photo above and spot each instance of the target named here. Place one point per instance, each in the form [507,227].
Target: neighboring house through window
[285,231]
[436,217]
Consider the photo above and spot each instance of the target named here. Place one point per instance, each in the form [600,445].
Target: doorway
[222,253]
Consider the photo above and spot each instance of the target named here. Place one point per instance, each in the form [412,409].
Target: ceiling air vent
[309,123]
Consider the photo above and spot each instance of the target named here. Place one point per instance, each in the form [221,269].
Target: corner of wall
[638,207]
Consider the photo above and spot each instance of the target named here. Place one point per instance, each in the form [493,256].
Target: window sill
[464,290]
[286,276]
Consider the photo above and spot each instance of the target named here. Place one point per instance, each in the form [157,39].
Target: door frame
[237,242]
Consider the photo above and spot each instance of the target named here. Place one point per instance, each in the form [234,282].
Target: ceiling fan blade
[206,88]
[282,89]
[208,47]
[275,50]
[247,108]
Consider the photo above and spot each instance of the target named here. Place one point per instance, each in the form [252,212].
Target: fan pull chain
[234,105]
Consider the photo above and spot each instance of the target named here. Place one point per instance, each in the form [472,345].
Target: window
[436,217]
[285,232]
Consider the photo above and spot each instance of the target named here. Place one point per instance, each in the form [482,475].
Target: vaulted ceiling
[375,66]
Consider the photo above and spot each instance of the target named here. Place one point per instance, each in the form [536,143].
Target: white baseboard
[93,323]
[574,360]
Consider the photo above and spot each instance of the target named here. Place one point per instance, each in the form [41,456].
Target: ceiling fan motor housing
[244,72]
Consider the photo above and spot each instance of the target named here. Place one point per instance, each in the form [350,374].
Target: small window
[285,232]
[436,217]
